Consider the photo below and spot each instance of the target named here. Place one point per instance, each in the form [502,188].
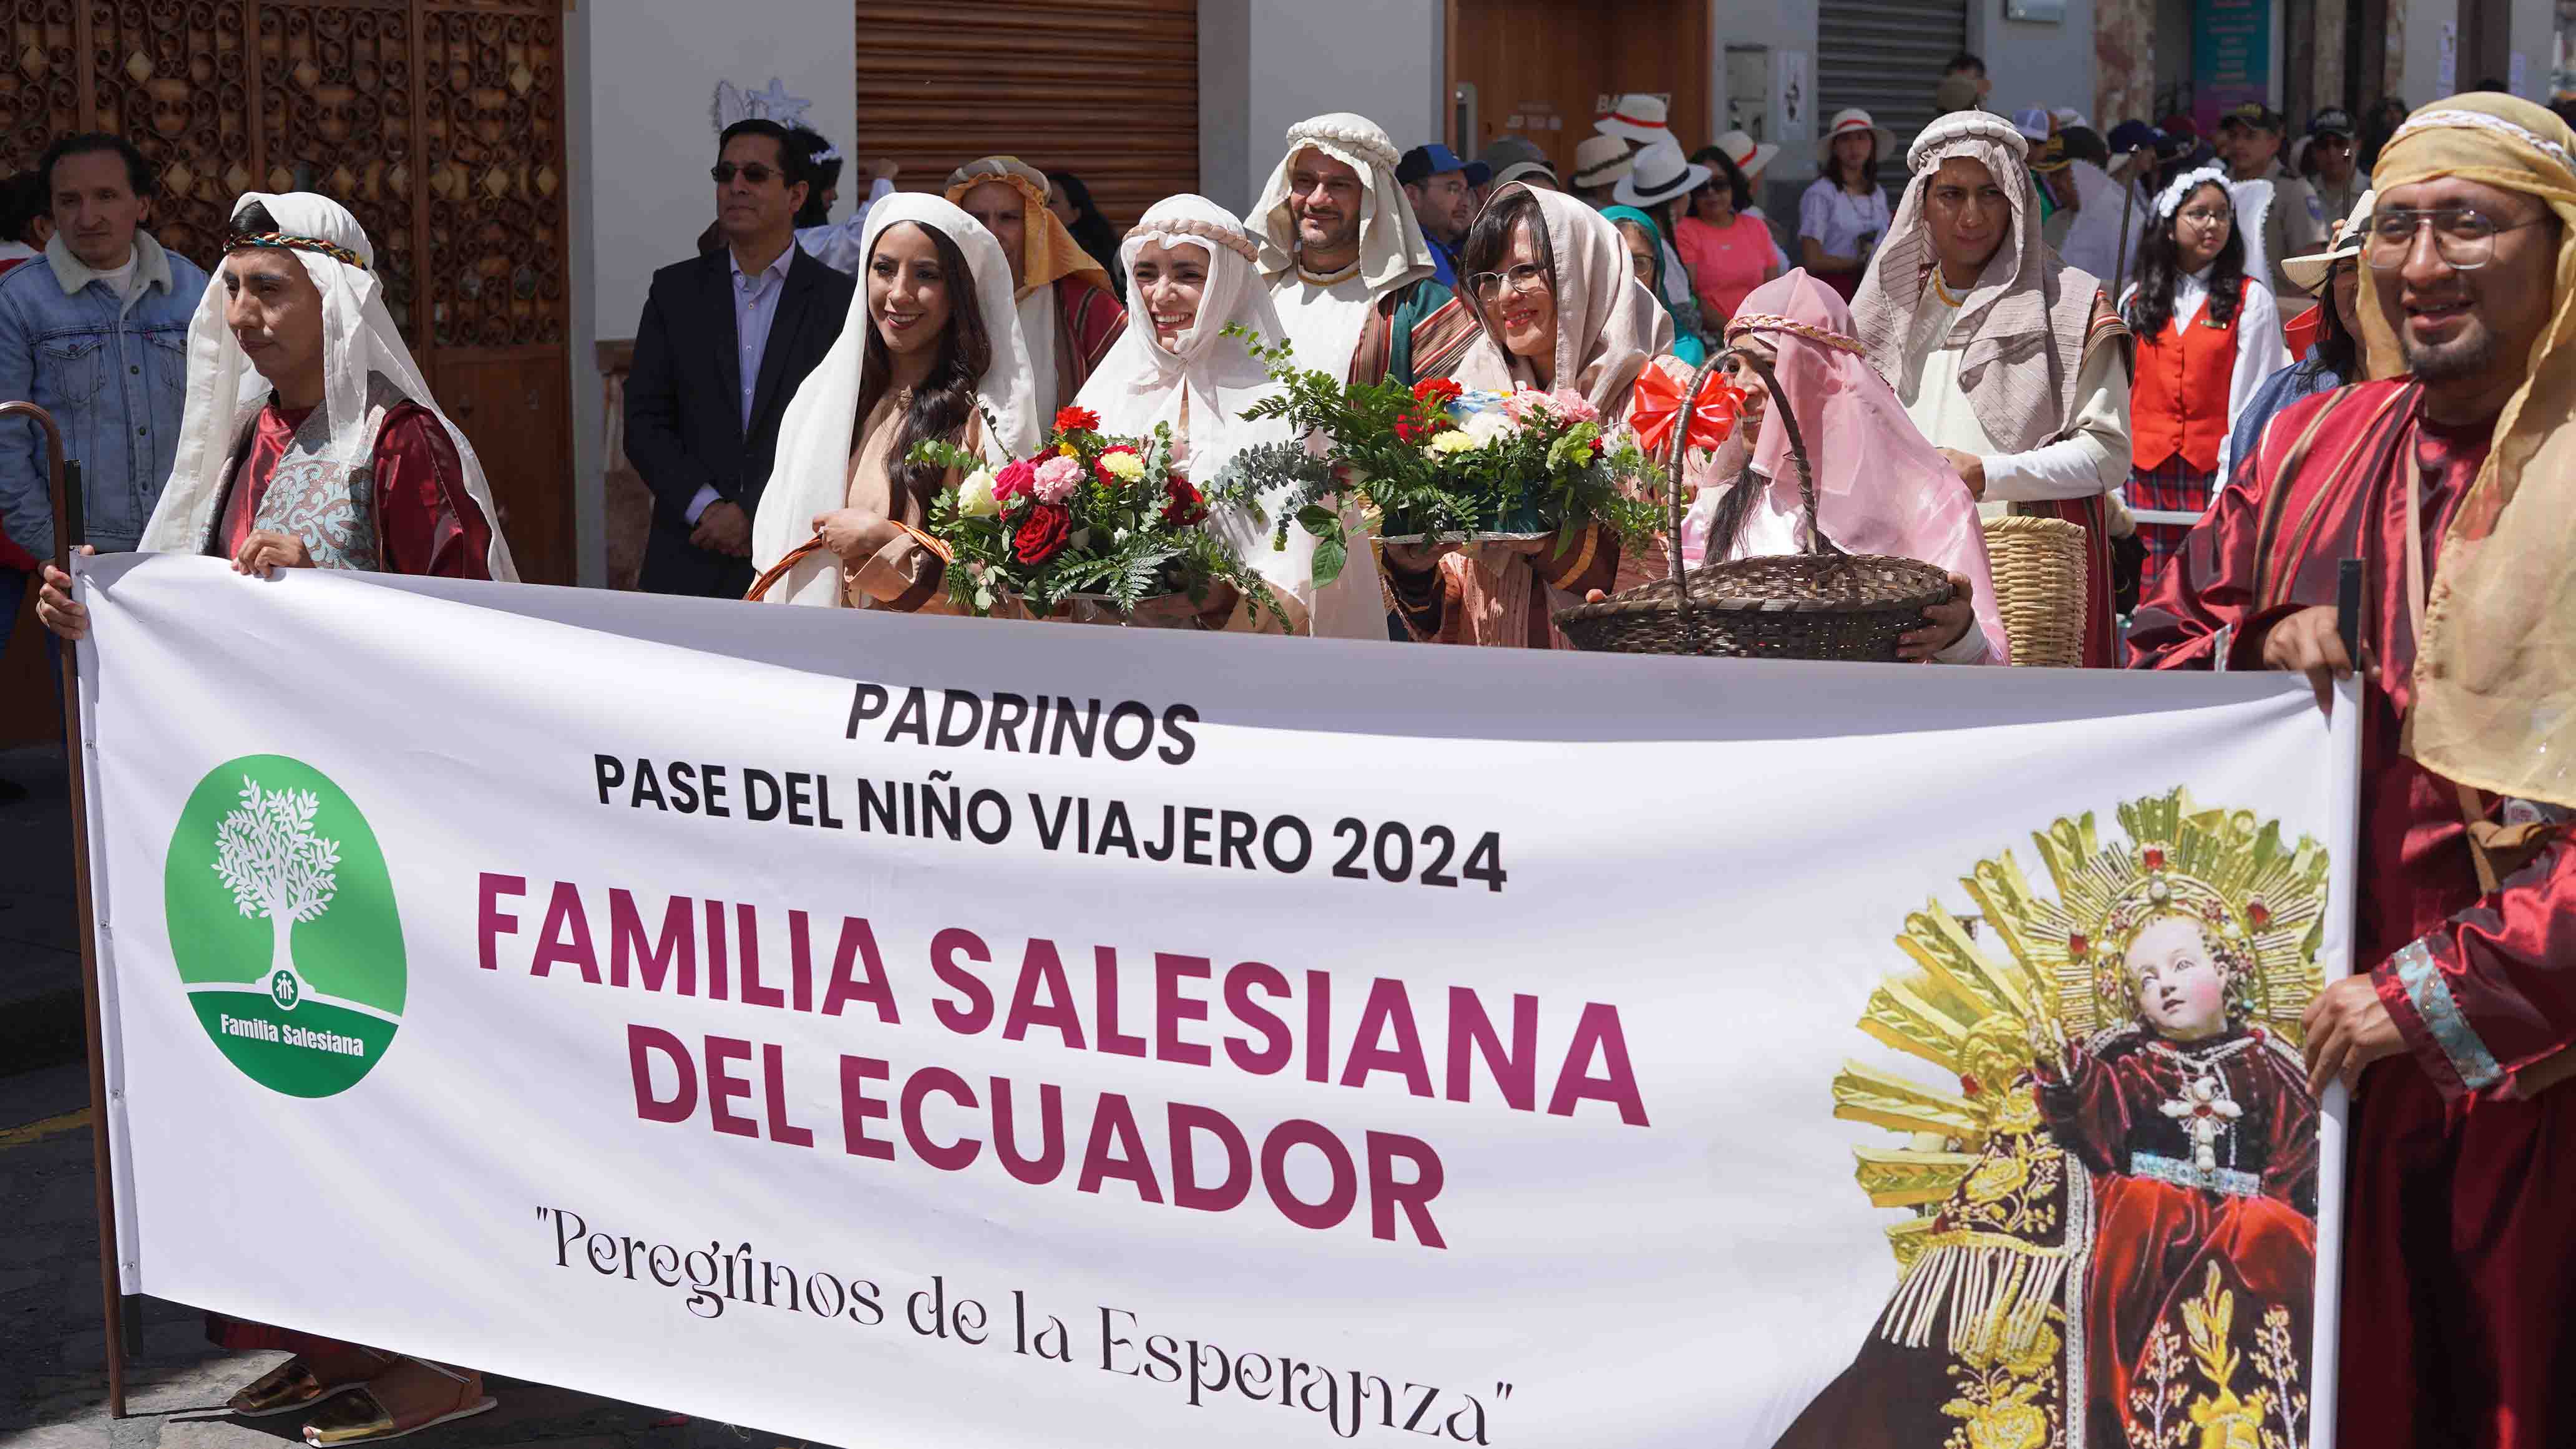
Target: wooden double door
[439,123]
[1541,68]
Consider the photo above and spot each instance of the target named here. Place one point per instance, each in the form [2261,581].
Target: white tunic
[1323,322]
[2092,458]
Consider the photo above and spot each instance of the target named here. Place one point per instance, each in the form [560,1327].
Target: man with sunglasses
[725,340]
[2455,485]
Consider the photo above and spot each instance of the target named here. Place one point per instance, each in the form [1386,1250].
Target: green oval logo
[283,925]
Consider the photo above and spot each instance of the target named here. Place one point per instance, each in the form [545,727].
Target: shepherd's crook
[62,483]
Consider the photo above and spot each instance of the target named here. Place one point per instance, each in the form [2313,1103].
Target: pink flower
[1057,478]
[1563,407]
[1014,479]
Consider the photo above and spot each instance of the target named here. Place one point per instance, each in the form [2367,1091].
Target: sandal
[360,1417]
[290,1386]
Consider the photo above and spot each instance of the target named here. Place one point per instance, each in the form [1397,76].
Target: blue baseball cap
[2131,135]
[1424,162]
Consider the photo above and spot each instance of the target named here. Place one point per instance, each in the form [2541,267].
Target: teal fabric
[1686,344]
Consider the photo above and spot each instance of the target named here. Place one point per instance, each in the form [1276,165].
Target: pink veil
[1881,488]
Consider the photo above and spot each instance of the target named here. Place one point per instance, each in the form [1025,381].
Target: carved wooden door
[438,123]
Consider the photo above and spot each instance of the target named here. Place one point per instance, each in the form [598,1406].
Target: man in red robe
[345,463]
[2453,482]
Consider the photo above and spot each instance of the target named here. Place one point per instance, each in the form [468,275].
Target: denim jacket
[114,373]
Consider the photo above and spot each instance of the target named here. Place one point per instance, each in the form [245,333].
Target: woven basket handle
[769,577]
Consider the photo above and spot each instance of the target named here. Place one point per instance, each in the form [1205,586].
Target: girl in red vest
[2207,336]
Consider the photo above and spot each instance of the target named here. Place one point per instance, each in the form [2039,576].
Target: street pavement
[53,1342]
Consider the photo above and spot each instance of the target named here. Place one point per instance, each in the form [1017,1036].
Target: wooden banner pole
[62,479]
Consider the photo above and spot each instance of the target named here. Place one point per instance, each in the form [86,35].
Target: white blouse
[2260,348]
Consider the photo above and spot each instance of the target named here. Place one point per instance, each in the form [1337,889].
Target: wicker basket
[1822,604]
[2039,573]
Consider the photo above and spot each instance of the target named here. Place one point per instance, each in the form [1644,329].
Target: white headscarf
[810,474]
[358,338]
[1142,383]
[1608,326]
[1393,251]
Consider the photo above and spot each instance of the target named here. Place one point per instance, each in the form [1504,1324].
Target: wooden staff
[62,482]
[2128,206]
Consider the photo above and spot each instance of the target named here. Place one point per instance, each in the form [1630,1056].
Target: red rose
[1187,505]
[1410,429]
[1077,420]
[1436,391]
[1016,478]
[1042,535]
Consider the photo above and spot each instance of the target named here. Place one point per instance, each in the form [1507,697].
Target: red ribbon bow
[1658,405]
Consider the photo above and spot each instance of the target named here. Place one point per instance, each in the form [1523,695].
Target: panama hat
[1748,156]
[1640,118]
[2310,273]
[1662,173]
[1856,119]
[1601,160]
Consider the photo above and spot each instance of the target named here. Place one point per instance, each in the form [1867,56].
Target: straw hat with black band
[1601,161]
[1662,173]
[2312,273]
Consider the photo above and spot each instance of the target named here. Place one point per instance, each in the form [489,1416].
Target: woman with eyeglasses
[2207,336]
[1551,284]
[1728,250]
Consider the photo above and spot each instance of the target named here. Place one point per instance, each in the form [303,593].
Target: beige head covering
[1393,252]
[2022,330]
[358,338]
[810,473]
[1608,326]
[1052,253]
[2495,673]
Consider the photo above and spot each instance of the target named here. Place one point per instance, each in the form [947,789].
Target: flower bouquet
[1092,526]
[1439,463]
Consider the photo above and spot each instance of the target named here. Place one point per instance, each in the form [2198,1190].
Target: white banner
[920,1032]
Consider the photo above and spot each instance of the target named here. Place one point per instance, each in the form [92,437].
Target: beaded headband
[2169,200]
[1765,322]
[1233,241]
[280,241]
[2480,120]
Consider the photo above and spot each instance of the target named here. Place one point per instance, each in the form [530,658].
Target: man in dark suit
[726,338]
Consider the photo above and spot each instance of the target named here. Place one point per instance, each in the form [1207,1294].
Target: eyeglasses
[2464,239]
[752,171]
[1527,277]
[2207,216]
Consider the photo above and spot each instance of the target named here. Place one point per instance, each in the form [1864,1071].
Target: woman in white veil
[931,351]
[1191,270]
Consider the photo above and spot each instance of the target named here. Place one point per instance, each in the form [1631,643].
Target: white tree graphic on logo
[278,868]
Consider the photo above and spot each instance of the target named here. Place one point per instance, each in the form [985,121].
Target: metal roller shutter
[1885,56]
[1107,89]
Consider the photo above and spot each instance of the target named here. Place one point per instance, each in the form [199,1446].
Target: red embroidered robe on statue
[2459,1261]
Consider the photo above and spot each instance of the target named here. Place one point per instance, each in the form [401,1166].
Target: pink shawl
[1880,487]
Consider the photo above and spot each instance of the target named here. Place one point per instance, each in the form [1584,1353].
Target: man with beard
[1346,261]
[2454,480]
